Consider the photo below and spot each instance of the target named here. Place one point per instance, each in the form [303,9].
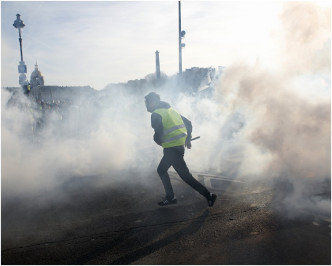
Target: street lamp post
[182,33]
[22,68]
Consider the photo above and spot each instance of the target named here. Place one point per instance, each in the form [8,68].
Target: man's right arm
[157,125]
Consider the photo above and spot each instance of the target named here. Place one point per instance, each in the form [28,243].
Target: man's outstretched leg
[181,168]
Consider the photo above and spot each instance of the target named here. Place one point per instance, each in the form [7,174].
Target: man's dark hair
[152,96]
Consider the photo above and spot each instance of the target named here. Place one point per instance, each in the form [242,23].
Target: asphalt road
[118,224]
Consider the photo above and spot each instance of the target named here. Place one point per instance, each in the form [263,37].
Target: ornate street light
[22,68]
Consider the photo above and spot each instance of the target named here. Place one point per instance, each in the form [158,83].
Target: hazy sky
[96,43]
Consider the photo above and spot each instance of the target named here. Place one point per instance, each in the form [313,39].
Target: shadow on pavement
[193,227]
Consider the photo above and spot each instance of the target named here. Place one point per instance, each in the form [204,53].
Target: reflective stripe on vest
[167,131]
[174,130]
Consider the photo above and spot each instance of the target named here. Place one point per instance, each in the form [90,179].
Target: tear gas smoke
[92,140]
[288,122]
[260,125]
[265,125]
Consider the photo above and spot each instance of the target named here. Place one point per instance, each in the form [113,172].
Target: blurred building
[59,93]
[195,81]
[201,81]
[36,78]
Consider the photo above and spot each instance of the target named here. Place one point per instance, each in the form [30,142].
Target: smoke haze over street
[263,123]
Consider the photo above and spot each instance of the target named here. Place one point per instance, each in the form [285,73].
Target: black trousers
[174,157]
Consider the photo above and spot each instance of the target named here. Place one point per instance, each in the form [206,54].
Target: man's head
[151,101]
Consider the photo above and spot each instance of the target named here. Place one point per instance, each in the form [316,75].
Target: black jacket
[157,125]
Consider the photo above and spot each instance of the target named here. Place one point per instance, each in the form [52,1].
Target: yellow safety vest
[174,130]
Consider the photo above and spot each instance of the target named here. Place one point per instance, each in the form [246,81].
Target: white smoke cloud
[285,122]
[282,131]
[307,38]
[92,141]
[260,125]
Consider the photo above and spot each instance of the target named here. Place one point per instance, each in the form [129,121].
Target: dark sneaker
[211,199]
[167,202]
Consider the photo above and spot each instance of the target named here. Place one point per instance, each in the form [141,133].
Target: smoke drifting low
[260,125]
[289,120]
[275,125]
[90,140]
